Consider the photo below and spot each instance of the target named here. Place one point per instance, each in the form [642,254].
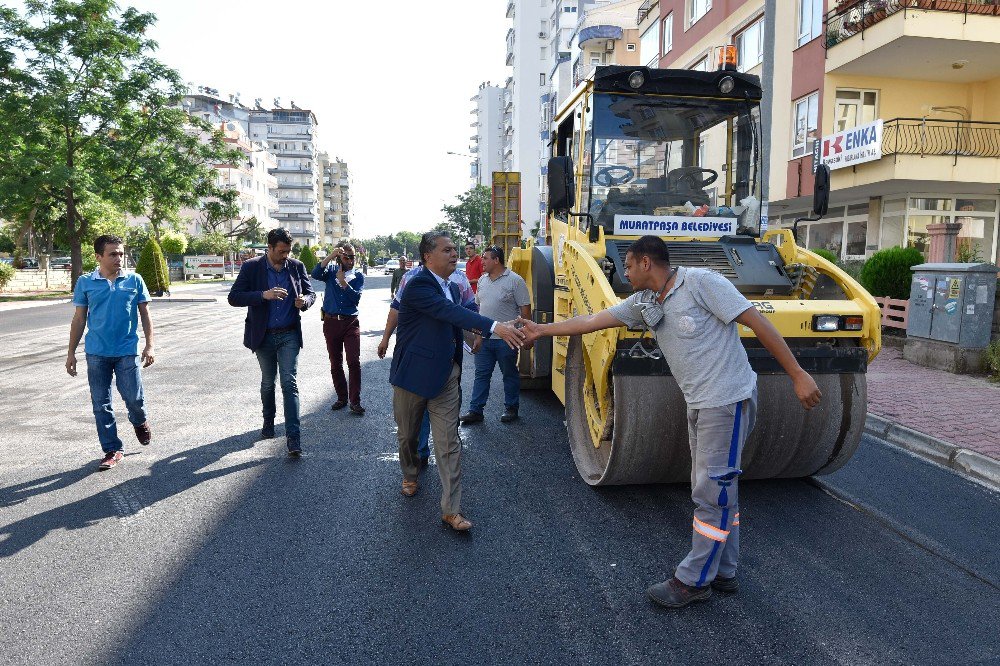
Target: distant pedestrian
[276,289]
[473,265]
[503,296]
[340,323]
[397,275]
[109,304]
[467,299]
[426,370]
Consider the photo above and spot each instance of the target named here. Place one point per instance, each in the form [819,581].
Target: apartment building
[901,98]
[291,133]
[487,142]
[528,56]
[335,193]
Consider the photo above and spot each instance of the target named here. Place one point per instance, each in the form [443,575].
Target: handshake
[519,333]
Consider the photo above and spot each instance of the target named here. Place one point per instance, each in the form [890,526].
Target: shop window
[975,238]
[917,235]
[892,231]
[827,236]
[857,235]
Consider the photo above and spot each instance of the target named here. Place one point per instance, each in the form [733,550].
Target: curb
[980,468]
[171,299]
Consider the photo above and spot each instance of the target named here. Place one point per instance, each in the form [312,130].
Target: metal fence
[958,138]
[852,18]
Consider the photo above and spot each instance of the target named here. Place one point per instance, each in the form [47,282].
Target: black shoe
[727,585]
[340,404]
[509,415]
[673,593]
[267,432]
[358,409]
[294,448]
[470,418]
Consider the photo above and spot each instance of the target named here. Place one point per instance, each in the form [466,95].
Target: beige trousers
[408,409]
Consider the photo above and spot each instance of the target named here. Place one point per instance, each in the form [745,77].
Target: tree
[307,257]
[153,268]
[87,113]
[173,242]
[212,243]
[471,217]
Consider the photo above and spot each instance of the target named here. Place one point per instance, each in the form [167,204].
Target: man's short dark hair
[652,247]
[468,243]
[496,253]
[106,239]
[429,241]
[279,235]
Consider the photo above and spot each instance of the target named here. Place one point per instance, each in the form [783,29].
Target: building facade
[915,85]
[487,142]
[335,193]
[292,135]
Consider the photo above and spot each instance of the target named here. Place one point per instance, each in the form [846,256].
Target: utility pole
[767,103]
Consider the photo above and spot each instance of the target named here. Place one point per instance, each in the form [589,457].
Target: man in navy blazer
[426,369]
[275,289]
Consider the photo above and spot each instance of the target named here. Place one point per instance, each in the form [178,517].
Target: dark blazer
[429,335]
[248,292]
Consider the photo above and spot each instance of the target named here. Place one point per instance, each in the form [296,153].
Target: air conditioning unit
[610,46]
[542,35]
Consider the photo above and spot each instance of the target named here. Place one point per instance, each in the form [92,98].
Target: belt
[341,317]
[281,329]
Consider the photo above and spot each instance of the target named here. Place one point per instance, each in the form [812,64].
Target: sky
[390,84]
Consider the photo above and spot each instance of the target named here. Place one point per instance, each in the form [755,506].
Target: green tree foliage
[172,242]
[211,244]
[7,242]
[86,113]
[153,267]
[6,275]
[471,216]
[826,254]
[307,257]
[887,272]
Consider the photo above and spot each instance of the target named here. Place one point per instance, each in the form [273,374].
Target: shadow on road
[167,477]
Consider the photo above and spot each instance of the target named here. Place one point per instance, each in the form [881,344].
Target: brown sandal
[409,488]
[457,522]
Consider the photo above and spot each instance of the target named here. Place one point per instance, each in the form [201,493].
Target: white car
[391,265]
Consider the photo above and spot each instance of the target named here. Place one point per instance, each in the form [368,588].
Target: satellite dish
[231,127]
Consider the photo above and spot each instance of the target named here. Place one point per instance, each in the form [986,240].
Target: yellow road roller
[676,153]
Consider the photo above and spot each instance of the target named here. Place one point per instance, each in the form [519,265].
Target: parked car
[460,266]
[61,262]
[391,265]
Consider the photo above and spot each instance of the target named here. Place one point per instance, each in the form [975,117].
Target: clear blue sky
[389,82]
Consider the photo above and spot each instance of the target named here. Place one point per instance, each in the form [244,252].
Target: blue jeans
[126,373]
[495,352]
[279,355]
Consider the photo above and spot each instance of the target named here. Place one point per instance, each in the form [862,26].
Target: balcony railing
[644,9]
[957,138]
[854,17]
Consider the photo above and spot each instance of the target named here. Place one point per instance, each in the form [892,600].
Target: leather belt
[340,317]
[282,329]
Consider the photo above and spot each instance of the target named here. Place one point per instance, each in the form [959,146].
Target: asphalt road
[212,547]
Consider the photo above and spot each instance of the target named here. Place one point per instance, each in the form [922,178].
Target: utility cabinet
[950,316]
[953,303]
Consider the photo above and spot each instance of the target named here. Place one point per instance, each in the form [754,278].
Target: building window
[667,32]
[701,65]
[806,122]
[810,20]
[649,45]
[541,79]
[855,107]
[750,46]
[697,9]
[630,47]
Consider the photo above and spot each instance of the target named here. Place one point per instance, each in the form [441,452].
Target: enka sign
[853,146]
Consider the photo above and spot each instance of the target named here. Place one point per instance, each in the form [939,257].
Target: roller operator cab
[676,153]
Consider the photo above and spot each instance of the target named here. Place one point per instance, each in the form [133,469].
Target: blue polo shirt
[112,312]
[337,299]
[280,314]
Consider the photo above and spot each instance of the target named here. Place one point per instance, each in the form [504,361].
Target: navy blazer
[248,292]
[429,336]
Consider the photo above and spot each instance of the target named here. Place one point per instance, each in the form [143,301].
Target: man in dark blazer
[426,369]
[275,289]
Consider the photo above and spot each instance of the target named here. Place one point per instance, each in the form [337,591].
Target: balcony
[914,39]
[510,9]
[937,155]
[510,46]
[645,8]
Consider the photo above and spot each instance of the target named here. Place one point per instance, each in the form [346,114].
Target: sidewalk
[953,412]
[58,297]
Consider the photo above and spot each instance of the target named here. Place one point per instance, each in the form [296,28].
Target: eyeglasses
[347,256]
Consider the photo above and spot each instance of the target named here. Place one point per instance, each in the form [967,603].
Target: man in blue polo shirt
[109,303]
[340,323]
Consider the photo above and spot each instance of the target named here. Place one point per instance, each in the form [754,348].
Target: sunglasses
[347,256]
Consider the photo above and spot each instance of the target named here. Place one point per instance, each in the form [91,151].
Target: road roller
[676,153]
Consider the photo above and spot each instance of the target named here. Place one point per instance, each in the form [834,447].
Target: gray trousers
[443,408]
[716,437]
